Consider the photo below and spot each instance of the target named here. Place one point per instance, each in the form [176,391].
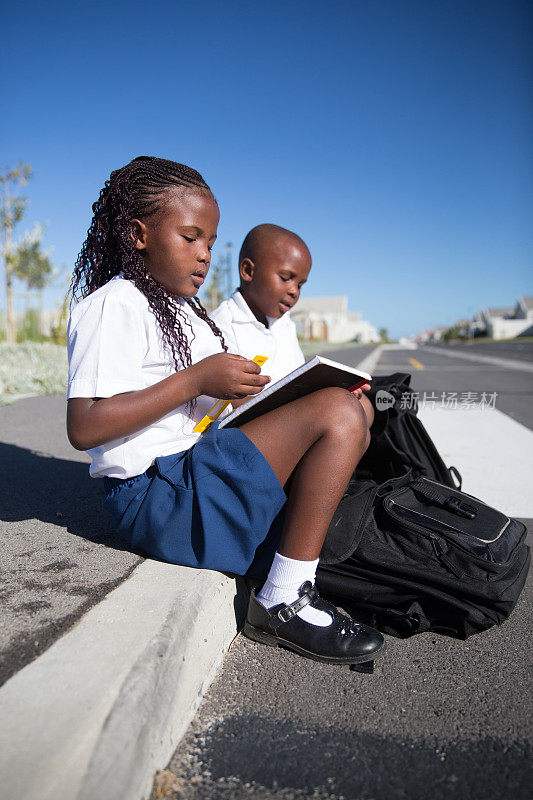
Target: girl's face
[176,241]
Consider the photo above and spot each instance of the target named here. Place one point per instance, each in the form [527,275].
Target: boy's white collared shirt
[248,337]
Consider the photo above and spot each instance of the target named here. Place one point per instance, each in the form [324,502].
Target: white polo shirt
[248,337]
[115,345]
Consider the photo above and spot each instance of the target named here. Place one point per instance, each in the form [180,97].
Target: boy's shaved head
[274,264]
[266,237]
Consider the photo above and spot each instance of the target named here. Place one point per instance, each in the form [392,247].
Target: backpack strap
[456,476]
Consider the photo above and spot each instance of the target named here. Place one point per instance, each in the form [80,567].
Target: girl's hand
[359,392]
[226,376]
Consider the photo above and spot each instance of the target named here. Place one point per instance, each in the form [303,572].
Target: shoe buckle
[290,610]
[287,613]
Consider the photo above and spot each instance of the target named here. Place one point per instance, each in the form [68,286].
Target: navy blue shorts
[218,505]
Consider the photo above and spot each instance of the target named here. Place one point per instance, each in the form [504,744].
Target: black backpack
[414,555]
[400,443]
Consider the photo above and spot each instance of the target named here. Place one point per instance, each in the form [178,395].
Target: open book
[318,373]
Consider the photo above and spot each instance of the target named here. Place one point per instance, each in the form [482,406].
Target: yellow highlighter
[216,410]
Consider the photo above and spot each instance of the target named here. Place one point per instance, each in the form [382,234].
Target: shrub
[30,329]
[32,368]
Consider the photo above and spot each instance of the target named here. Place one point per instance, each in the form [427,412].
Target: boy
[274,263]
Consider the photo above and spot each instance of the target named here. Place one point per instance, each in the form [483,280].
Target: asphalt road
[439,718]
[433,373]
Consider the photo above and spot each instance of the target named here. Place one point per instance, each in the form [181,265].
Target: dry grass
[32,368]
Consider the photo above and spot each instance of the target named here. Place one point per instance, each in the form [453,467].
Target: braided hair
[136,191]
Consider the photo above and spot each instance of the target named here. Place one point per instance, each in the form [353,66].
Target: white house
[328,319]
[431,336]
[508,322]
[524,310]
[502,322]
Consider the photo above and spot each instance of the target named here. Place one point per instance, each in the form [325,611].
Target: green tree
[12,207]
[451,333]
[30,329]
[30,264]
[384,334]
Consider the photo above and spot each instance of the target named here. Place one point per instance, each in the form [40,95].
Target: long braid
[136,191]
[200,311]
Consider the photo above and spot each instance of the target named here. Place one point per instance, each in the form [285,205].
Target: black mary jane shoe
[345,641]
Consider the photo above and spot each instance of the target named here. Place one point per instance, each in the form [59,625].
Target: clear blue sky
[393,135]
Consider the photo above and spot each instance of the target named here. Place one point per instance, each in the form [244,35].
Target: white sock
[284,579]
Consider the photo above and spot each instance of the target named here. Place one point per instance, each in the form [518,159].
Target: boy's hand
[359,392]
[226,376]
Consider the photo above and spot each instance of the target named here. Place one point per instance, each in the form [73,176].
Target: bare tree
[12,207]
[219,287]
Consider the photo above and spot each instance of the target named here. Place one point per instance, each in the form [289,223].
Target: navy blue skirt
[218,505]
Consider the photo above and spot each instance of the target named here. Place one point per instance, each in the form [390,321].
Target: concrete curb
[106,705]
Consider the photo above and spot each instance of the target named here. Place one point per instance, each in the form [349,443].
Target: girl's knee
[368,408]
[343,412]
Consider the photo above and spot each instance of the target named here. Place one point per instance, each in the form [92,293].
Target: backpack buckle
[460,508]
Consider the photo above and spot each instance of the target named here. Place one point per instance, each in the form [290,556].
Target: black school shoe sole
[345,641]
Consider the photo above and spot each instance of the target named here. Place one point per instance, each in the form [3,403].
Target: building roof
[322,305]
[528,302]
[503,311]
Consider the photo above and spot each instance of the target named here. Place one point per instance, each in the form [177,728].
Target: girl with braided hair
[145,362]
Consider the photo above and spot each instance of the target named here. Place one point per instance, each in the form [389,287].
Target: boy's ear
[246,270]
[138,234]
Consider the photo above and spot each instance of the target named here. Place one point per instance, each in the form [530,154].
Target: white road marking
[506,363]
[368,364]
[470,368]
[492,451]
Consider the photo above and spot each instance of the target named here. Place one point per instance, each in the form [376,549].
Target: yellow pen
[216,410]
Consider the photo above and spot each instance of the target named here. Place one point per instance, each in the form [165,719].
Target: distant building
[524,310]
[327,319]
[501,322]
[509,322]
[478,326]
[431,336]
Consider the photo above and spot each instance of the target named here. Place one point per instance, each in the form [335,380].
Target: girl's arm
[92,422]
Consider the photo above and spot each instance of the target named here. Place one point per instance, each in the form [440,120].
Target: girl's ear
[246,270]
[138,234]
